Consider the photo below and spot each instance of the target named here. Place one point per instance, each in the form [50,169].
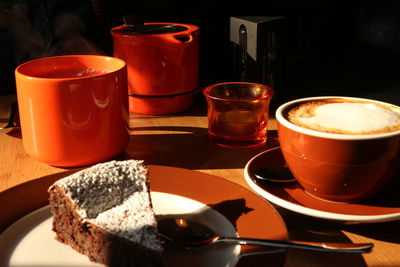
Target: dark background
[334,47]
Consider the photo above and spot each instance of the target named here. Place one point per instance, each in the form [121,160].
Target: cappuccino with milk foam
[346,116]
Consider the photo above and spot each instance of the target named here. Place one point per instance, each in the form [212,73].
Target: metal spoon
[191,234]
[278,174]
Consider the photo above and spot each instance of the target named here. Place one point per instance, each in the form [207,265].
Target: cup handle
[185,37]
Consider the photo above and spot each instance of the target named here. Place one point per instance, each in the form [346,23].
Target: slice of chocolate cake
[105,212]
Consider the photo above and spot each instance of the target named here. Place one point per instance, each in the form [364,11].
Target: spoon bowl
[191,235]
[278,174]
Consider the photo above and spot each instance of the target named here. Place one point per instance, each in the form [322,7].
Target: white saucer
[382,207]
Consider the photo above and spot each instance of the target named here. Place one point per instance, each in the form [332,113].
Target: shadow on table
[386,231]
[192,149]
[306,228]
[302,258]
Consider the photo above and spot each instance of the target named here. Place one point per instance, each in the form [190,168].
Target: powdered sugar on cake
[134,211]
[346,117]
[114,195]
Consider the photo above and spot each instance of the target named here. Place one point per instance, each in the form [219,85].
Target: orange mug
[73,109]
[332,162]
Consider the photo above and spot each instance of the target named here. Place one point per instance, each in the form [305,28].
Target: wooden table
[181,140]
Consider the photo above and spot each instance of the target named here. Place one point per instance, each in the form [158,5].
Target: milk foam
[350,118]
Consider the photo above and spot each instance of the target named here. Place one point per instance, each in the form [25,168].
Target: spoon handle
[316,246]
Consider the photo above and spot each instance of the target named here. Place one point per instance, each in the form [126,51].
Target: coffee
[346,116]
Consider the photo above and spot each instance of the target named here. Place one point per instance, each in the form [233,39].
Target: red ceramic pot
[162,61]
[338,167]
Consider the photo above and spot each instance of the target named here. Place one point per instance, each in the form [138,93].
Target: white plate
[225,207]
[31,242]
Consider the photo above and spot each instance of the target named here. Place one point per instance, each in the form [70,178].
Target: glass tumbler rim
[267,94]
